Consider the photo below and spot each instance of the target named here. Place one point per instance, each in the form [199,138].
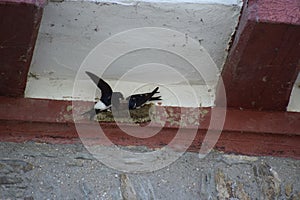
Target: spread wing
[106,91]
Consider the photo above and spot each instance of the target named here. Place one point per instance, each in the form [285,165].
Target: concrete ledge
[244,132]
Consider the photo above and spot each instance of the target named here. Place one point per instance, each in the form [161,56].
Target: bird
[107,95]
[113,99]
[137,100]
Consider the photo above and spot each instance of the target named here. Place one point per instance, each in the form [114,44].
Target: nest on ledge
[139,115]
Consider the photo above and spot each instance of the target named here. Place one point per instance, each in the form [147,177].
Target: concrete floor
[46,171]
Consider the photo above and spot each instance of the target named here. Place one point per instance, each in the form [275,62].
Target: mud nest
[139,115]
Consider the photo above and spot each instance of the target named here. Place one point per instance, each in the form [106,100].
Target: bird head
[116,98]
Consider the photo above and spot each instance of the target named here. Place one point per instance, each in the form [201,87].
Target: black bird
[137,100]
[110,98]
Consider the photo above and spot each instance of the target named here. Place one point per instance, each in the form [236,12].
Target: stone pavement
[52,171]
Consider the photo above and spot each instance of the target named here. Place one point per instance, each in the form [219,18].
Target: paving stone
[288,190]
[29,198]
[229,189]
[5,169]
[15,165]
[86,190]
[84,156]
[5,180]
[127,188]
[75,163]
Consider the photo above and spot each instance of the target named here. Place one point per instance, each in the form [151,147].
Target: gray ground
[46,171]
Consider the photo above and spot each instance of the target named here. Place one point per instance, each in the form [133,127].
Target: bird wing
[106,91]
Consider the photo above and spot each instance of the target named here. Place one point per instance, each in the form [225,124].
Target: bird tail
[155,98]
[155,91]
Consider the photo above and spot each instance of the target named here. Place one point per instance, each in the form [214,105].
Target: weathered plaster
[70,30]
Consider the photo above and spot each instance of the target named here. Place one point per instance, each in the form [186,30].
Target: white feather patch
[100,105]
